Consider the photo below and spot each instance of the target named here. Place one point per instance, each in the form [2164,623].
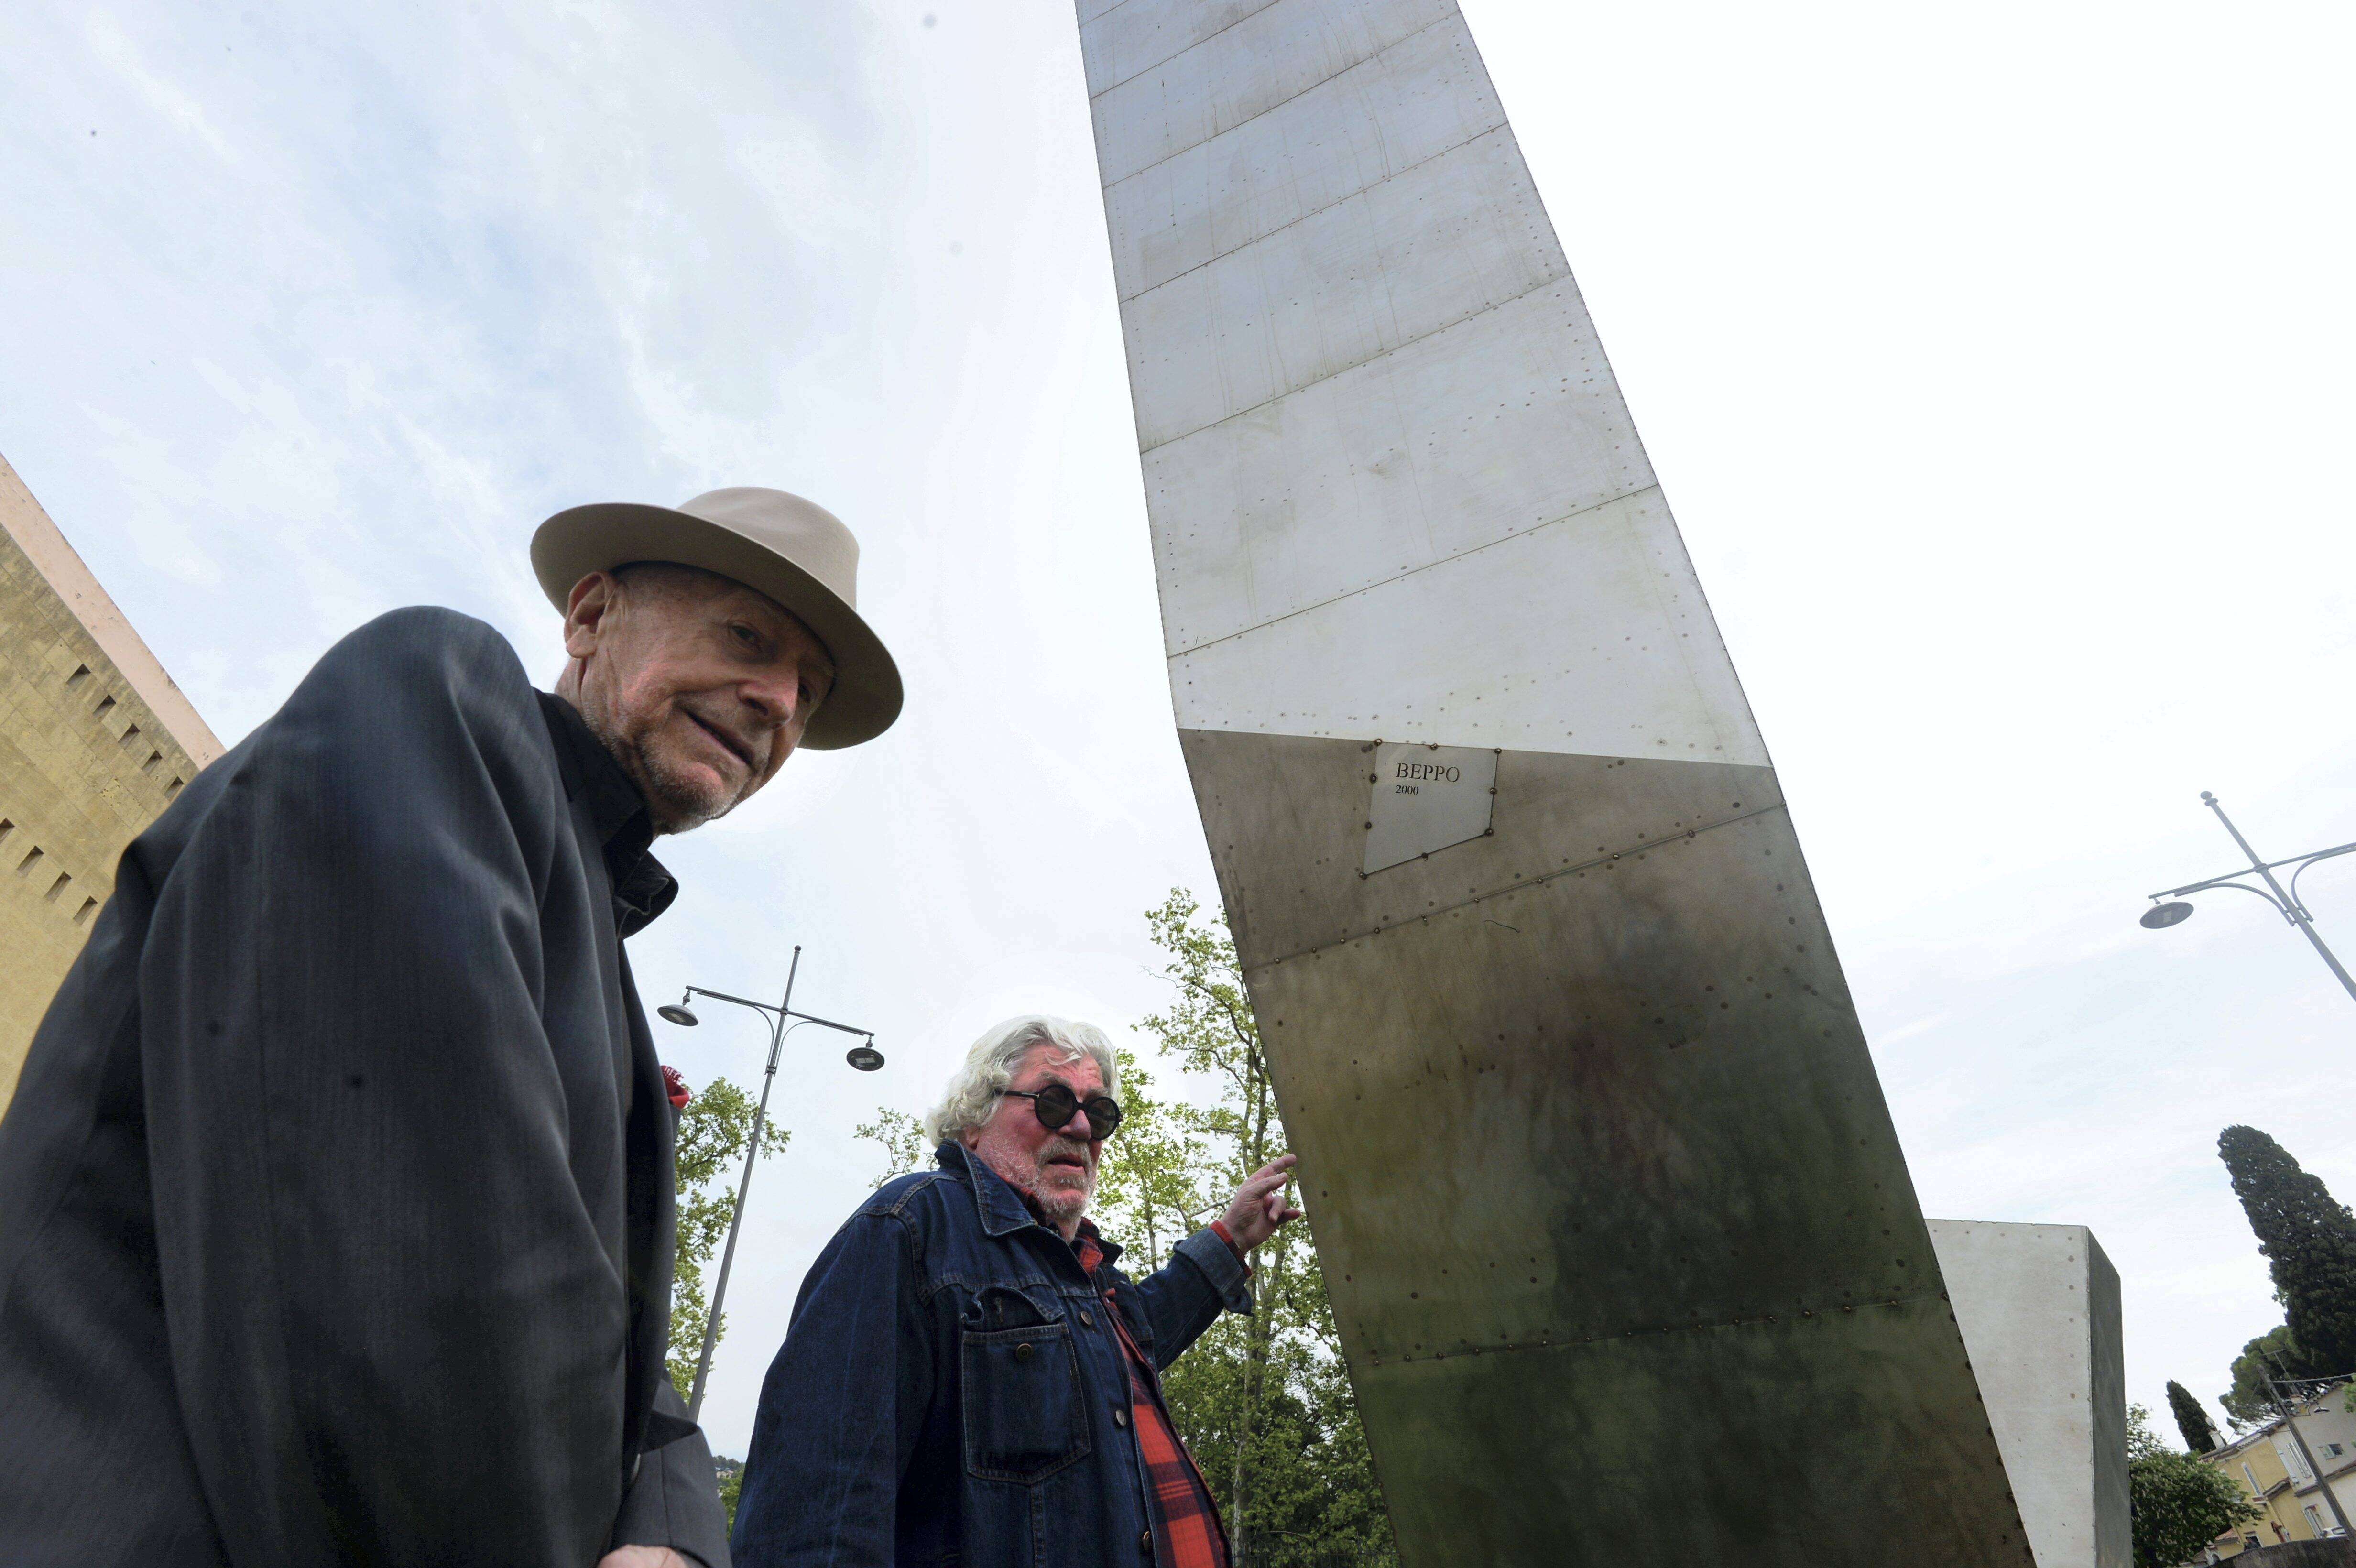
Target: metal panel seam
[1353,68]
[1316,211]
[1567,1343]
[1190,48]
[1605,859]
[1557,280]
[1192,648]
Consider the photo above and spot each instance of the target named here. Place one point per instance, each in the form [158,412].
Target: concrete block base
[2039,1308]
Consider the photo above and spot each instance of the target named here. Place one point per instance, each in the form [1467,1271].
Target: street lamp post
[863,1056]
[2168,908]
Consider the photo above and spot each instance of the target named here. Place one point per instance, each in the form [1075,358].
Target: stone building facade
[95,740]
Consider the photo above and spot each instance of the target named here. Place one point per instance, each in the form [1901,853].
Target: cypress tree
[2200,1435]
[2308,1240]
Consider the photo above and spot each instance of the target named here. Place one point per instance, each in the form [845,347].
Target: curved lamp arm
[2311,860]
[2238,887]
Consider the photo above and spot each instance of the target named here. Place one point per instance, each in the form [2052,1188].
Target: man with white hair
[968,1378]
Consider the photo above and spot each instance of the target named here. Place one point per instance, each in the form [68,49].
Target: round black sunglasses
[1056,1104]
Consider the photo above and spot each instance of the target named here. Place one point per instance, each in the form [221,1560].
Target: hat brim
[866,695]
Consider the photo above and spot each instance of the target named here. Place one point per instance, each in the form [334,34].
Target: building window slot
[6,828]
[81,915]
[29,861]
[58,886]
[149,765]
[105,706]
[130,735]
[81,674]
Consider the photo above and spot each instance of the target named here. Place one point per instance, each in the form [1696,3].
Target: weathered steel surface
[1615,1223]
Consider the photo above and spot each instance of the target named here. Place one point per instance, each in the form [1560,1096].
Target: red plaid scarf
[1186,1521]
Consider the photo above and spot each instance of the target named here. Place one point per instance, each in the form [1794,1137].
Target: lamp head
[2160,917]
[864,1056]
[679,1015]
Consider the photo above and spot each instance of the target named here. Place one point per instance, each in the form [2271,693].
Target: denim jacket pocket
[1008,1307]
[1021,1391]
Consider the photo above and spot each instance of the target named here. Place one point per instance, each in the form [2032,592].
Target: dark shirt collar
[643,889]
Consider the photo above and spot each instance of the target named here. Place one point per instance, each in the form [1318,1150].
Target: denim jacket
[951,1391]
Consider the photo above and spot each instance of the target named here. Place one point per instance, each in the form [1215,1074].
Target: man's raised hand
[1258,1207]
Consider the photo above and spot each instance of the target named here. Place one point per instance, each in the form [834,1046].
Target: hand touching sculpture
[1258,1206]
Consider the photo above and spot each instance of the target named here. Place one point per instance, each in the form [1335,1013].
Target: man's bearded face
[1057,1169]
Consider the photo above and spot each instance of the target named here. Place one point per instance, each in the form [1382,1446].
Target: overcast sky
[1994,358]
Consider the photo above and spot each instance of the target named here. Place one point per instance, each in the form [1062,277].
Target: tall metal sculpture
[1625,1258]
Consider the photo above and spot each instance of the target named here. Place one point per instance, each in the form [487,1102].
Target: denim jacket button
[1121,1416]
[1087,1321]
[1022,1352]
[1145,1541]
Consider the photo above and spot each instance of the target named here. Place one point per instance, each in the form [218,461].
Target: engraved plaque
[1426,798]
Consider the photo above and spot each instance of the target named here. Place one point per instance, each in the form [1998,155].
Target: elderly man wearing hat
[335,1213]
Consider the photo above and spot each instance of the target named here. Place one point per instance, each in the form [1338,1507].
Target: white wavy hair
[971,1097]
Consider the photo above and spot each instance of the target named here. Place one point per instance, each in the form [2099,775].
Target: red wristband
[1219,1228]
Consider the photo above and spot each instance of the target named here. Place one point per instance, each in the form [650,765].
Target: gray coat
[335,1211]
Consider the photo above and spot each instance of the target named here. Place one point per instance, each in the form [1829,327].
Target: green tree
[2200,1432]
[1264,1402]
[2178,1503]
[2308,1240]
[712,1130]
[731,1485]
[1154,1175]
[2273,1354]
[902,1136]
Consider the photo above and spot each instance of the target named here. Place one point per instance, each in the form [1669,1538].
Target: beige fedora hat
[796,551]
